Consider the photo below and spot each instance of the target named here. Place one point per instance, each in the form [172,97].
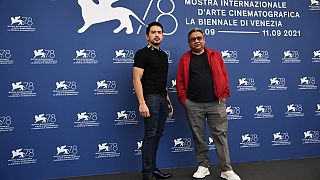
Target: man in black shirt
[150,71]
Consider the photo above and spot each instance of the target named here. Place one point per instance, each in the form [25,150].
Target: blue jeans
[153,130]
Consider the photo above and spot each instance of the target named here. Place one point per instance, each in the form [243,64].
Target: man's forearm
[138,90]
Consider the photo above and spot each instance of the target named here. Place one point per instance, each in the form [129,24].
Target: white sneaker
[230,175]
[202,172]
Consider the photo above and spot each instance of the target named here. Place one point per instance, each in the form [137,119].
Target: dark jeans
[153,130]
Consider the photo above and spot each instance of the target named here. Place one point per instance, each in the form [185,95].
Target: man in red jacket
[203,87]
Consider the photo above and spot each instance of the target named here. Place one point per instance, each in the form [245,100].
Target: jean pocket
[186,103]
[151,98]
[221,108]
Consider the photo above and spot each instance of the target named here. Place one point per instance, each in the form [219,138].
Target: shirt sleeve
[139,60]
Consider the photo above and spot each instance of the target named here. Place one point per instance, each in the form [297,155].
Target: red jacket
[219,75]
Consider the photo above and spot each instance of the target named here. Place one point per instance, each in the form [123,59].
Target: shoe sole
[223,176]
[201,177]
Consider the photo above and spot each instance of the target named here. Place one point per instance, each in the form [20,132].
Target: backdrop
[67,102]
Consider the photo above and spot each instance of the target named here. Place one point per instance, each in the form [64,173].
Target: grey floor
[294,169]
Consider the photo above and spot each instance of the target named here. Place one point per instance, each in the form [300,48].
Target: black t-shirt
[155,65]
[201,87]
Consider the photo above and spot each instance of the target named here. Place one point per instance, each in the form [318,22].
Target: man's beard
[154,44]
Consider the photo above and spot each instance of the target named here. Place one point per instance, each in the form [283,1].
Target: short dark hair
[153,24]
[195,29]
